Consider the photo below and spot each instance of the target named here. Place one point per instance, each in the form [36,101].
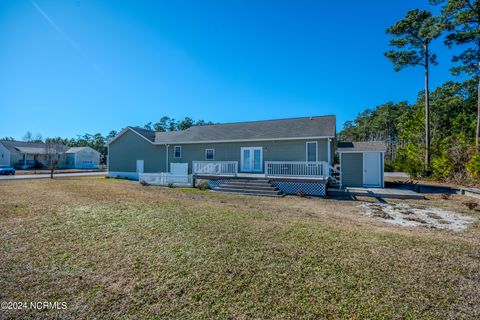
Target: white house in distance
[82,158]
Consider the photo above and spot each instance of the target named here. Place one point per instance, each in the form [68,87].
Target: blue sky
[76,66]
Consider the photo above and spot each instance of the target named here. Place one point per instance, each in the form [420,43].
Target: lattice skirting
[309,188]
[215,183]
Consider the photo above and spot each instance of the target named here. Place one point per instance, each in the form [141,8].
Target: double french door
[251,159]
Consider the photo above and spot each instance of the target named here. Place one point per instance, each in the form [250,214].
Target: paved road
[57,175]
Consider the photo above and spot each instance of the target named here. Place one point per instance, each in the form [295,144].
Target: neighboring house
[24,155]
[296,155]
[82,158]
[21,154]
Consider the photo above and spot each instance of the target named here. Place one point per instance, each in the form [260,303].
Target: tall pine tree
[412,37]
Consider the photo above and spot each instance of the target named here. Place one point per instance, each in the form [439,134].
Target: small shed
[362,163]
[82,158]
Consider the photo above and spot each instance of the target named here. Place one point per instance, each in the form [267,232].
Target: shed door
[139,166]
[179,169]
[371,169]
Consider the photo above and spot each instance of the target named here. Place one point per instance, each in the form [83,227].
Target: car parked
[6,170]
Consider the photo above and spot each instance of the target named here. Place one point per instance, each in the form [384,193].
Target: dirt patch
[413,216]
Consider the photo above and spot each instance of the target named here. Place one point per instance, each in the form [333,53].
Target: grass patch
[17,207]
[120,250]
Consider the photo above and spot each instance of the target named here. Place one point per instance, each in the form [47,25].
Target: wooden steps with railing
[259,187]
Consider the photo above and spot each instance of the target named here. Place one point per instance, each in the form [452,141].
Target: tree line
[99,142]
[438,135]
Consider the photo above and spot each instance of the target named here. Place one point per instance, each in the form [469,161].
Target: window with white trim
[177,152]
[209,154]
[312,151]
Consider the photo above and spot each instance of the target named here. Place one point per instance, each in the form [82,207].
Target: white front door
[371,169]
[251,159]
[139,166]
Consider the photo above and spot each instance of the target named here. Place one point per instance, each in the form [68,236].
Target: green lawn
[114,249]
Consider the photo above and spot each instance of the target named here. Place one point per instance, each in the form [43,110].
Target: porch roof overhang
[31,150]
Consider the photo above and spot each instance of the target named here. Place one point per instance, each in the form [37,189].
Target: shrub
[301,194]
[445,196]
[473,166]
[442,167]
[472,205]
[410,160]
[203,186]
[171,185]
[389,166]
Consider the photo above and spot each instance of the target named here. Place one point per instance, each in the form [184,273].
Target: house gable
[147,135]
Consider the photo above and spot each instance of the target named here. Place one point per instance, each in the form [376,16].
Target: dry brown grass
[114,249]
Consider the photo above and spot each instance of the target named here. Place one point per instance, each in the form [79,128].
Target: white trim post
[329,151]
[341,170]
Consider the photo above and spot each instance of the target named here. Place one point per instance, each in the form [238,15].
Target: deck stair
[254,186]
[334,178]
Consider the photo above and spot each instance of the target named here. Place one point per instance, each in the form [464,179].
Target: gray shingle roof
[77,149]
[13,145]
[31,150]
[362,146]
[148,134]
[307,127]
[26,147]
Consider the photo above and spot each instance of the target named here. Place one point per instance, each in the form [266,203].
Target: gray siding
[15,157]
[124,152]
[287,150]
[352,169]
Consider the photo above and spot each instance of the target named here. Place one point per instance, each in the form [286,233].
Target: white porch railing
[166,179]
[215,167]
[297,169]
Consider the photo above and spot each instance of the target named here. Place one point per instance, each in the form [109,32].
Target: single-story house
[24,155]
[294,155]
